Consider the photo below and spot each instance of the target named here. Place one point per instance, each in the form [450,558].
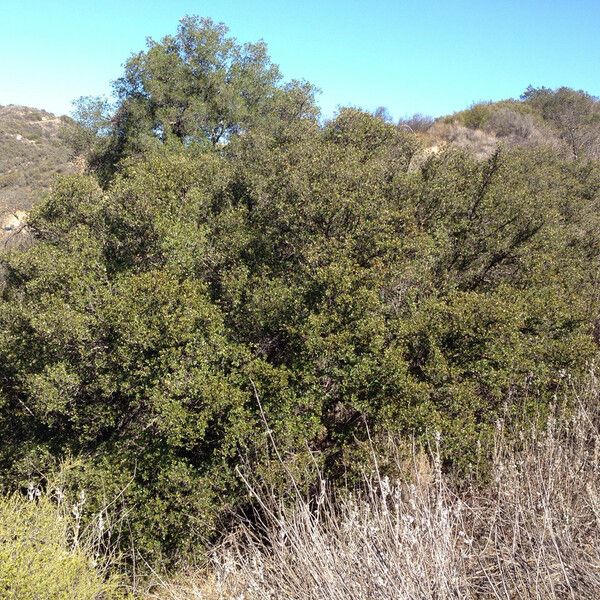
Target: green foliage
[199,87]
[38,560]
[243,267]
[91,120]
[317,268]
[478,115]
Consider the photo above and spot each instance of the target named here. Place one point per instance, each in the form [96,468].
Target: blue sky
[410,56]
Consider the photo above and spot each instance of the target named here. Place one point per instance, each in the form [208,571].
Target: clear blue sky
[433,57]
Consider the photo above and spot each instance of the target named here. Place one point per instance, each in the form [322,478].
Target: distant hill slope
[32,152]
[564,119]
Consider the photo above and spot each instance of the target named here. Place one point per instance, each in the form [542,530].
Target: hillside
[32,152]
[564,120]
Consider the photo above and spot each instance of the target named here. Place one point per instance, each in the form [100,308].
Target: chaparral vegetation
[241,310]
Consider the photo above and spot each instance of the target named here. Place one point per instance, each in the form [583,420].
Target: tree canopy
[197,87]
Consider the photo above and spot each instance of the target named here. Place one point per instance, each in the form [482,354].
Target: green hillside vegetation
[238,286]
[32,152]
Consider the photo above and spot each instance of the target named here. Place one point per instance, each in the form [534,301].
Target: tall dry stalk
[532,532]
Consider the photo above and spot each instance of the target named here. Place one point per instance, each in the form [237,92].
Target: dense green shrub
[297,273]
[477,115]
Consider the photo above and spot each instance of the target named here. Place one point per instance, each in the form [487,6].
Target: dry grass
[504,126]
[533,531]
[32,153]
[479,143]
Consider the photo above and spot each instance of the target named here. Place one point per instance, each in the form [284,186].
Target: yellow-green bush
[36,562]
